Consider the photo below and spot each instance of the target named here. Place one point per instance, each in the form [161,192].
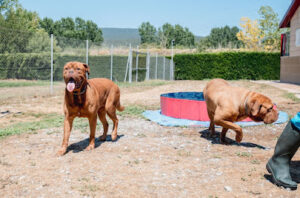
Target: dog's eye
[66,68]
[270,109]
[78,69]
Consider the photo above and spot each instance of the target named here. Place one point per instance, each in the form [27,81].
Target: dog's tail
[120,107]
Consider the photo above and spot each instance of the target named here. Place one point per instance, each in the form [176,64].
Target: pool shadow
[81,145]
[216,140]
[294,170]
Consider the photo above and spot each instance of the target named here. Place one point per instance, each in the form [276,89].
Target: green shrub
[228,65]
[25,66]
[37,66]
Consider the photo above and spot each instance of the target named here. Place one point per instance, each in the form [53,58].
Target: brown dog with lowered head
[88,98]
[227,104]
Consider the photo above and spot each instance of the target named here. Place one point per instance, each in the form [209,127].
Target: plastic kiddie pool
[186,105]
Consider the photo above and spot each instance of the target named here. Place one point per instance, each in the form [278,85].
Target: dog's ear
[255,107]
[87,68]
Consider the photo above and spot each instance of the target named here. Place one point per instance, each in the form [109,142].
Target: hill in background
[121,36]
[125,36]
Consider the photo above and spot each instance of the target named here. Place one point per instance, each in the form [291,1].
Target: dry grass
[235,50]
[124,51]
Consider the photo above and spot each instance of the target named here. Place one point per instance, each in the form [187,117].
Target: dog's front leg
[67,131]
[229,125]
[93,123]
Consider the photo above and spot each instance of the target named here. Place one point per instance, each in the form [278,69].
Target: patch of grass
[141,135]
[217,157]
[243,179]
[23,83]
[184,153]
[5,163]
[87,189]
[149,83]
[291,96]
[243,154]
[255,161]
[49,121]
[253,192]
[83,179]
[133,111]
[136,161]
[46,121]
[36,115]
[92,188]
[82,124]
[127,150]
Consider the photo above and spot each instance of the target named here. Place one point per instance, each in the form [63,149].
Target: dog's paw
[61,152]
[238,138]
[90,147]
[114,137]
[211,135]
[102,137]
[224,141]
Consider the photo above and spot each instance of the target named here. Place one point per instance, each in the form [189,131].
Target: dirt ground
[147,160]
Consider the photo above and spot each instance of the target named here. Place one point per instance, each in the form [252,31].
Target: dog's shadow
[81,145]
[294,170]
[216,140]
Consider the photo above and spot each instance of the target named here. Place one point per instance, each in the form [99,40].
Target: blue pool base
[163,120]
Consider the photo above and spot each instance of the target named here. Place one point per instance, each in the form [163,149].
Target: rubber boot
[279,165]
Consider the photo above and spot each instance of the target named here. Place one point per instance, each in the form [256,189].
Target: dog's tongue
[70,86]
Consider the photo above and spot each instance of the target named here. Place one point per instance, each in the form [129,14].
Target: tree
[17,26]
[166,35]
[181,36]
[269,24]
[264,34]
[223,37]
[48,25]
[203,44]
[147,33]
[250,34]
[93,32]
[40,42]
[67,28]
[6,5]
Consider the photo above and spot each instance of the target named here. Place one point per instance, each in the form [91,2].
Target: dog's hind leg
[113,117]
[102,117]
[223,136]
[211,125]
[111,112]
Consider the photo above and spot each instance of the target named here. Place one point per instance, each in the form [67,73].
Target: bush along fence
[37,66]
[228,65]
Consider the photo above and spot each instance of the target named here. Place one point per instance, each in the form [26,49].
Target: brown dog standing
[88,98]
[227,104]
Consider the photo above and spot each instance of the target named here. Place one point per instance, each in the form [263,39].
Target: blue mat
[163,120]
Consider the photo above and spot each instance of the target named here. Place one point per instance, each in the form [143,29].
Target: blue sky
[197,15]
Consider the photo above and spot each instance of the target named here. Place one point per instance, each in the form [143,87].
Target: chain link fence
[34,55]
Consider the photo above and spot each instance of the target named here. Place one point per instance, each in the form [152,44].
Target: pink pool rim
[186,105]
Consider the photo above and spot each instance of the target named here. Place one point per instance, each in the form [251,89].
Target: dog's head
[75,75]
[262,109]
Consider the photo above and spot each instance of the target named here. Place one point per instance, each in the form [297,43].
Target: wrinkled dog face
[75,74]
[262,109]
